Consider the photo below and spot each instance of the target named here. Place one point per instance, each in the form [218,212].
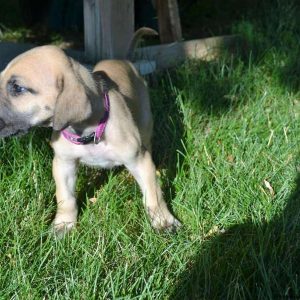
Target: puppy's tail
[137,37]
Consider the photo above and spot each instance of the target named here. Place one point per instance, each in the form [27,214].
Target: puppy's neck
[89,125]
[95,86]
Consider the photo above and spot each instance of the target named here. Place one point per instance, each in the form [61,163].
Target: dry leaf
[269,187]
[93,200]
[214,230]
[296,102]
[230,158]
[289,158]
[207,129]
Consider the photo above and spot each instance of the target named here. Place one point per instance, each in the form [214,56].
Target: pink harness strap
[94,136]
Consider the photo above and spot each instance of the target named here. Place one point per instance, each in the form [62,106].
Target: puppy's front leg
[143,170]
[64,173]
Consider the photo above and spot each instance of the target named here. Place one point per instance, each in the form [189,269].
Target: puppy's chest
[100,155]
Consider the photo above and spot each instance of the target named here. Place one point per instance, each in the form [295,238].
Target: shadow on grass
[90,180]
[254,261]
[249,261]
[289,75]
[209,94]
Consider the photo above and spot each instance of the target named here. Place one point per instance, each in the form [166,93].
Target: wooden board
[90,29]
[170,55]
[168,21]
[108,28]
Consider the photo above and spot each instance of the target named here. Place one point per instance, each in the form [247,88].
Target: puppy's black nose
[2,124]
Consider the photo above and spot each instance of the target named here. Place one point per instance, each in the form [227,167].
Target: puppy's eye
[16,89]
[19,89]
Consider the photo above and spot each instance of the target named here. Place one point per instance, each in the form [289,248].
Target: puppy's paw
[163,220]
[60,230]
[61,226]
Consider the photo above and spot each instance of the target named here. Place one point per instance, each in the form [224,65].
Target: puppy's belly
[99,156]
[101,163]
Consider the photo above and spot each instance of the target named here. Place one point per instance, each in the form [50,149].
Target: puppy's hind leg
[64,173]
[143,170]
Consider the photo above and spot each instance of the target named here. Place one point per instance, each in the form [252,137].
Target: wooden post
[108,28]
[89,29]
[168,21]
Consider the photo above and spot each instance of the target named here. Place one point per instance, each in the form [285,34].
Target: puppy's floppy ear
[73,104]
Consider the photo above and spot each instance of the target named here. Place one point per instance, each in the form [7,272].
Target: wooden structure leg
[108,28]
[168,21]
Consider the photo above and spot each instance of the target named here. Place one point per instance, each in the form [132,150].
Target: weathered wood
[89,7]
[108,28]
[122,24]
[170,55]
[145,67]
[168,21]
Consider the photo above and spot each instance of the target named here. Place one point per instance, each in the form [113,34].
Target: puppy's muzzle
[13,124]
[2,124]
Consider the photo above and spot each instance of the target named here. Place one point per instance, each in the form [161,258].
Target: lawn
[226,144]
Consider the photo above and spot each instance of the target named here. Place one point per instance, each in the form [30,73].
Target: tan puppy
[44,87]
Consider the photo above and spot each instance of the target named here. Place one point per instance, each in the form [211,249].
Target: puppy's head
[43,87]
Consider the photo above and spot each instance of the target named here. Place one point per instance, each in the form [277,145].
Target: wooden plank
[175,20]
[103,29]
[170,55]
[145,67]
[90,29]
[109,27]
[122,24]
[168,21]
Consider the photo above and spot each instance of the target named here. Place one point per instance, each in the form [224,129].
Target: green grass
[39,36]
[223,130]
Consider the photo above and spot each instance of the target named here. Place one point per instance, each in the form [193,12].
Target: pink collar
[94,136]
